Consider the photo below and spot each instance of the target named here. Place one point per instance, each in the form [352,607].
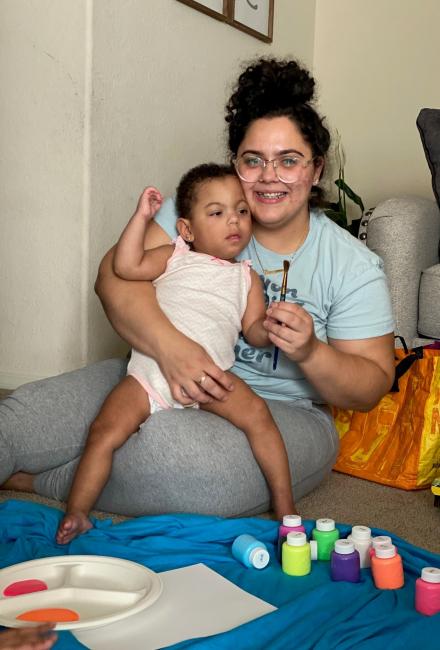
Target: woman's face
[275,203]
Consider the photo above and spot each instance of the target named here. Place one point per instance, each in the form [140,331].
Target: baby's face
[220,221]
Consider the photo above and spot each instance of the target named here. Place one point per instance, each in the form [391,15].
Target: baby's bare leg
[123,411]
[249,412]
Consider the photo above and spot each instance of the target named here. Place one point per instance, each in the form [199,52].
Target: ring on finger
[201,380]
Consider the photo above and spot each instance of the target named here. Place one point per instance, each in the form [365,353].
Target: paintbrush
[286,266]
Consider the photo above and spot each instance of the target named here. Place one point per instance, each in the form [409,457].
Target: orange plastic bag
[398,442]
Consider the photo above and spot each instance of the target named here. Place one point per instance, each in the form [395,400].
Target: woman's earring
[316,181]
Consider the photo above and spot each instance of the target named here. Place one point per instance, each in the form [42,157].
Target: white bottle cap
[361,533]
[431,574]
[296,538]
[344,546]
[259,557]
[292,520]
[381,539]
[313,549]
[385,550]
[325,524]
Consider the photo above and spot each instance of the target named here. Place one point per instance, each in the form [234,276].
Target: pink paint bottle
[290,524]
[387,567]
[379,539]
[427,600]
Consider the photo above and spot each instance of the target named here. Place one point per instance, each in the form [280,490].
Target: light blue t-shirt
[336,278]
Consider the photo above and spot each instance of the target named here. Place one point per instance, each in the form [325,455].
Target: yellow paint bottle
[296,556]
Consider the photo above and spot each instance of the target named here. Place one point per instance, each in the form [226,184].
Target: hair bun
[275,83]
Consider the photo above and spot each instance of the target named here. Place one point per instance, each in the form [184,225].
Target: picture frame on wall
[254,17]
[218,9]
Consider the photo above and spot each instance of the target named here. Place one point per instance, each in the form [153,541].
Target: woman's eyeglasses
[288,168]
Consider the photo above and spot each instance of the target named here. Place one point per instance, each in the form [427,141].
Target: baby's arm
[131,261]
[255,314]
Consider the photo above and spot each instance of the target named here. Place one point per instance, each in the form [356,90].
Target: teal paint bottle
[250,551]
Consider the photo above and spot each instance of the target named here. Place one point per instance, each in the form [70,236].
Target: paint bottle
[361,538]
[250,551]
[290,524]
[345,563]
[427,600]
[296,559]
[326,535]
[379,539]
[387,567]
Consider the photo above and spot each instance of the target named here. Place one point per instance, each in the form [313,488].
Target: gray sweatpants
[181,460]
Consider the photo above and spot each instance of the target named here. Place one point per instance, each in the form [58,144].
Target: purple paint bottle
[290,524]
[345,562]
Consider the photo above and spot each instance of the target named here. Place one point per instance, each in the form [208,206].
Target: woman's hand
[40,637]
[352,374]
[190,372]
[291,329]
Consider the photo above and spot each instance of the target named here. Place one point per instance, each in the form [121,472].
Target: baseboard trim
[11,380]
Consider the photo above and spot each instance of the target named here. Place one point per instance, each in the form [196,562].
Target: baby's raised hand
[149,202]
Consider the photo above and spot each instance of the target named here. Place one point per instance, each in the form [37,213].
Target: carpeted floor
[348,500]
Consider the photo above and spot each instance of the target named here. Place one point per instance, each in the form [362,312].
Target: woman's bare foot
[71,526]
[20,481]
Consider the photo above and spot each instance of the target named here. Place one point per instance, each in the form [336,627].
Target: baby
[210,297]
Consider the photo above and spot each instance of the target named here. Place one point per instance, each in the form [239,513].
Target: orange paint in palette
[24,587]
[49,615]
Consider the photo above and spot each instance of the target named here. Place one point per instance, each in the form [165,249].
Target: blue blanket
[314,612]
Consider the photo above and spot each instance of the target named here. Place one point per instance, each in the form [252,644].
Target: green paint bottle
[296,558]
[326,535]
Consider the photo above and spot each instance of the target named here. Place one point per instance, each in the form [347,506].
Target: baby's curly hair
[186,192]
[270,87]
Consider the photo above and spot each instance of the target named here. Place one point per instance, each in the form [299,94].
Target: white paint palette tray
[76,591]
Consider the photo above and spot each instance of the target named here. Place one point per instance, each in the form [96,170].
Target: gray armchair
[405,232]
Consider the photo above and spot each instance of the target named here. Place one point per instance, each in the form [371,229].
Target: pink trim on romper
[247,264]
[180,246]
[151,392]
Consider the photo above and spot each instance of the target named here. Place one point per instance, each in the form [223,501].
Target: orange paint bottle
[387,567]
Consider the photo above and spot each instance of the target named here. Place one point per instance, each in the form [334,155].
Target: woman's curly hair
[270,87]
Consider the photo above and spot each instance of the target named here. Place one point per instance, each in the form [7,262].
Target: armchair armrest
[405,233]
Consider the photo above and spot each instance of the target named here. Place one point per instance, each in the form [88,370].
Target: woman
[334,331]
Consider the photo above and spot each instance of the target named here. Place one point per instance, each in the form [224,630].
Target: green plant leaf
[337,207]
[346,189]
[336,216]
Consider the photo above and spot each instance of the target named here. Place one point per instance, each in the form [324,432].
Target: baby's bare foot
[73,524]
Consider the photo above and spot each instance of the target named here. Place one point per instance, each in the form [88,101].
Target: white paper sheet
[195,602]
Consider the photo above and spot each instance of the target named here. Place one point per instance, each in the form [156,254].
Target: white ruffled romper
[205,298]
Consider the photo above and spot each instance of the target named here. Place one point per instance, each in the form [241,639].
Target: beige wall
[377,64]
[103,96]
[42,68]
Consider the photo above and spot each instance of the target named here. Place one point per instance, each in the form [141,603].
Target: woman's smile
[270,197]
[275,203]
